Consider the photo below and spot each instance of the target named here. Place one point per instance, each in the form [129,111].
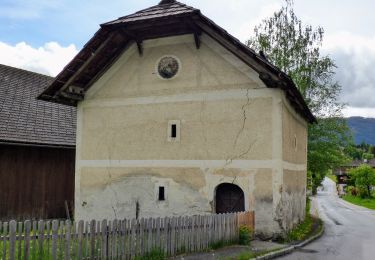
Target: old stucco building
[177,117]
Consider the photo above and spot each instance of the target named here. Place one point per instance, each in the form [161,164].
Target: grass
[301,231]
[250,255]
[305,229]
[367,203]
[43,252]
[246,256]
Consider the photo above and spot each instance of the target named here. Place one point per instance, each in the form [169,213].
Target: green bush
[364,179]
[363,192]
[245,235]
[352,190]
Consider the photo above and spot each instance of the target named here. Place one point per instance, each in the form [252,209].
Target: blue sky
[66,22]
[43,35]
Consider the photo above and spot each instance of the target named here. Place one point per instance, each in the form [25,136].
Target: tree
[364,179]
[361,151]
[367,156]
[354,152]
[295,49]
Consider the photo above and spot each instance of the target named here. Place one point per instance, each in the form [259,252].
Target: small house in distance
[37,149]
[177,117]
[342,173]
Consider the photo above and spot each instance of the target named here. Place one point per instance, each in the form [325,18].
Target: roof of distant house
[168,18]
[357,162]
[26,120]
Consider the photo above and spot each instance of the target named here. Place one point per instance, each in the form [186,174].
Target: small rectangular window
[174,131]
[161,193]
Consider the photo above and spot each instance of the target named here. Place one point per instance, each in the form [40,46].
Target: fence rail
[118,239]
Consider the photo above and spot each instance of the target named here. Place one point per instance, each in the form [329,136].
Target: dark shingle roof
[24,119]
[168,18]
[162,10]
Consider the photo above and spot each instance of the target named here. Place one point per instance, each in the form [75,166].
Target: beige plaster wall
[215,130]
[293,198]
[294,137]
[201,69]
[263,195]
[231,131]
[115,192]
[291,209]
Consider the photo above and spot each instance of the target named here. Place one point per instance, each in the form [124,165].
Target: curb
[290,249]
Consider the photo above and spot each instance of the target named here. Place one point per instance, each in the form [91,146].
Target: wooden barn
[37,149]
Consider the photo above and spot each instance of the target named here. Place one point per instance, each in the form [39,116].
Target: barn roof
[26,120]
[356,163]
[168,18]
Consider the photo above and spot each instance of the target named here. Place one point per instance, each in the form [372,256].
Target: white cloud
[355,58]
[359,111]
[245,30]
[48,59]
[349,42]
[238,17]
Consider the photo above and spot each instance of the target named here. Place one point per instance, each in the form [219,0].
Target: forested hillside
[363,129]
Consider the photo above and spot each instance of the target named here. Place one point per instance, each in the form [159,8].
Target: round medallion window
[168,67]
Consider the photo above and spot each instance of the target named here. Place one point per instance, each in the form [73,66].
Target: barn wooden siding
[35,182]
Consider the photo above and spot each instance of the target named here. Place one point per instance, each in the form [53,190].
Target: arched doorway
[229,198]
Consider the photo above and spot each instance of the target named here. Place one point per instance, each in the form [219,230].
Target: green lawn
[368,203]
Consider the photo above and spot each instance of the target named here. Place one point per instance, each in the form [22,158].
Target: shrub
[364,177]
[363,192]
[245,235]
[352,190]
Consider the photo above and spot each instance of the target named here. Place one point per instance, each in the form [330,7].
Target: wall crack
[243,108]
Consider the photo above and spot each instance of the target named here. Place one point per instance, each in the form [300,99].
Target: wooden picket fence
[118,239]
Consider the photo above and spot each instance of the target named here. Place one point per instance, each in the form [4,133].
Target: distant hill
[363,129]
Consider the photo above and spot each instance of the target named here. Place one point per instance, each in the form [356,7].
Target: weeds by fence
[119,239]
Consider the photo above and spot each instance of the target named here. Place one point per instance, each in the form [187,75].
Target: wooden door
[229,198]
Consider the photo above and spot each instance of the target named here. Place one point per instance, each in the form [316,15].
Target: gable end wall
[231,132]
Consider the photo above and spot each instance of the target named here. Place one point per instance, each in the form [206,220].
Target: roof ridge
[164,2]
[26,71]
[159,6]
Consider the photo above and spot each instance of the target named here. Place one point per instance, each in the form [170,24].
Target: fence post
[19,239]
[133,239]
[41,238]
[92,239]
[67,239]
[104,230]
[12,239]
[80,237]
[27,239]
[55,228]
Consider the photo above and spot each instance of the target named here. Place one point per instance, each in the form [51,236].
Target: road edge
[290,249]
[358,207]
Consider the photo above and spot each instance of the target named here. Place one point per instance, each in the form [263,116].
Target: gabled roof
[168,18]
[162,10]
[26,120]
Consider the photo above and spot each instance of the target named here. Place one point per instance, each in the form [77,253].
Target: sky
[44,35]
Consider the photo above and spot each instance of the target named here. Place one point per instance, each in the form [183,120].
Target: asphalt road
[349,230]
